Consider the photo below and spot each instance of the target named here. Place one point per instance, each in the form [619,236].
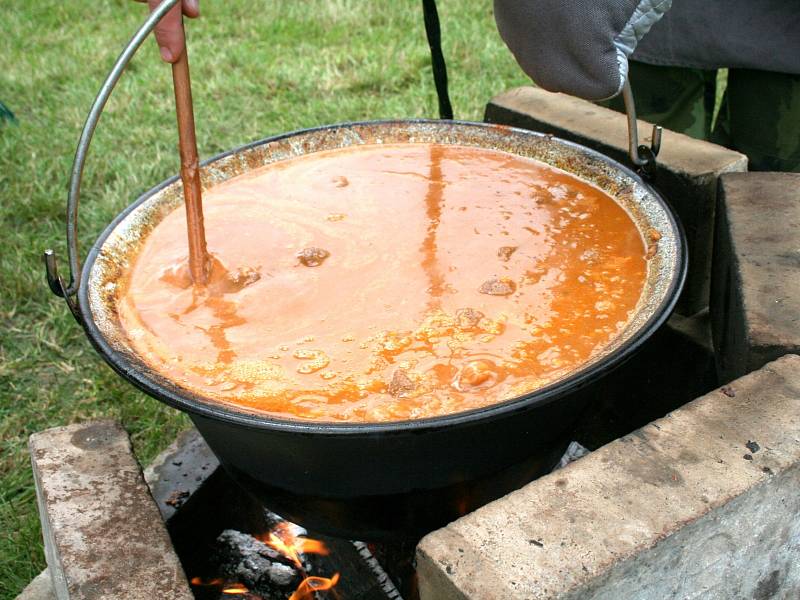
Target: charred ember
[261,569]
[285,562]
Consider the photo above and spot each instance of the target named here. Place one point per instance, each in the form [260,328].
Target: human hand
[169,32]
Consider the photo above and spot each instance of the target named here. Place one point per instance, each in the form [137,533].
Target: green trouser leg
[677,98]
[760,117]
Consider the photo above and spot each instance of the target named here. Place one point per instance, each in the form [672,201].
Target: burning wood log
[261,569]
[286,564]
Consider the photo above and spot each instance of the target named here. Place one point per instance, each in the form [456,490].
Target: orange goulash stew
[386,282]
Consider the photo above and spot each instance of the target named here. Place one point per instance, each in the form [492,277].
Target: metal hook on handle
[641,156]
[54,280]
[57,284]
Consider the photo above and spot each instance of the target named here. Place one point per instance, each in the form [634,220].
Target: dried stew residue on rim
[438,279]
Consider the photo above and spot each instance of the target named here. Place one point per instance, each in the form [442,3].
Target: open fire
[236,589]
[285,538]
[270,566]
[311,585]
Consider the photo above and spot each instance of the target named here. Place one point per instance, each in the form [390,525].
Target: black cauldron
[383,480]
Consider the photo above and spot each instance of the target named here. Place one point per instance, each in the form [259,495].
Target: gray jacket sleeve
[580,47]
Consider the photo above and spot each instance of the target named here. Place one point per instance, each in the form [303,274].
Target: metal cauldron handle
[54,280]
[642,156]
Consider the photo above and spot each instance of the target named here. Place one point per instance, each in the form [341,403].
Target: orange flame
[281,539]
[235,589]
[227,588]
[310,585]
[207,582]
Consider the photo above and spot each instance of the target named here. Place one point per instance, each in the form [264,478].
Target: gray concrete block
[703,503]
[755,299]
[103,534]
[173,477]
[40,588]
[687,177]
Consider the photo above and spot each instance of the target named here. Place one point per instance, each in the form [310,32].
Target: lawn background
[259,68]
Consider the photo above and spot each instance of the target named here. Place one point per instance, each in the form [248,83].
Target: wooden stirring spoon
[190,169]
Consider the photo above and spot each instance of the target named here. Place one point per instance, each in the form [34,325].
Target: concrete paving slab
[702,503]
[104,537]
[755,300]
[687,177]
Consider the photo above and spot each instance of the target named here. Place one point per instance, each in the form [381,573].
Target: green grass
[258,69]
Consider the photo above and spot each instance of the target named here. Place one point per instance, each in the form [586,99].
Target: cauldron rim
[195,404]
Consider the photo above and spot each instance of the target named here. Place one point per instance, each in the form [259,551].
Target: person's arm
[580,47]
[169,33]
